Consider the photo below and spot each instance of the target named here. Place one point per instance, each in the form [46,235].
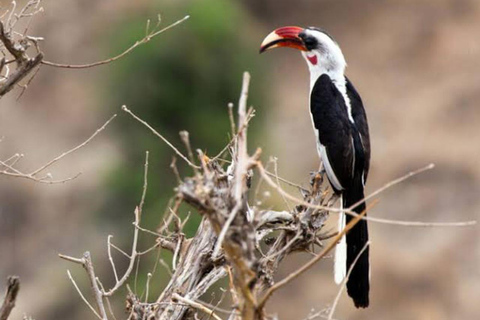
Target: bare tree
[235,240]
[14,45]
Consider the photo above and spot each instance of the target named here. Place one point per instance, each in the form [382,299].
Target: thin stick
[224,230]
[97,293]
[156,245]
[42,180]
[248,117]
[149,277]
[185,137]
[267,179]
[275,169]
[173,166]
[124,108]
[153,233]
[109,305]
[395,182]
[196,305]
[423,224]
[177,251]
[286,181]
[369,218]
[109,251]
[82,296]
[48,164]
[342,286]
[231,118]
[145,183]
[120,250]
[146,39]
[72,259]
[133,256]
[13,286]
[15,158]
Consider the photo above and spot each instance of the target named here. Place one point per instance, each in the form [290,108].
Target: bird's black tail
[358,284]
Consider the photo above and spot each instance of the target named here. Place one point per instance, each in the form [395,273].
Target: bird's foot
[316,176]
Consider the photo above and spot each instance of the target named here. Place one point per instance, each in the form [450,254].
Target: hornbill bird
[343,143]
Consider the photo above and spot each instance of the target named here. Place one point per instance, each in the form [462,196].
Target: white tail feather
[340,263]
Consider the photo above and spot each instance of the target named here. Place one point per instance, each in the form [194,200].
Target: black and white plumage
[341,129]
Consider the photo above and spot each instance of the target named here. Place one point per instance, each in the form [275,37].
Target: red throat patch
[313,59]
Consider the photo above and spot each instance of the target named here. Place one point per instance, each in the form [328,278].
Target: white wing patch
[322,152]
[340,262]
[328,167]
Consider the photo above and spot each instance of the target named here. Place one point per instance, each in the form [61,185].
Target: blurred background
[415,63]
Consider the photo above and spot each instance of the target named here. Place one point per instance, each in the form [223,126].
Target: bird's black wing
[330,119]
[348,152]
[360,118]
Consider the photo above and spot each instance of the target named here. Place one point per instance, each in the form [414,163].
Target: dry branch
[148,36]
[13,286]
[10,170]
[17,44]
[14,46]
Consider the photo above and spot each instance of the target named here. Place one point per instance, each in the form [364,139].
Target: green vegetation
[181,80]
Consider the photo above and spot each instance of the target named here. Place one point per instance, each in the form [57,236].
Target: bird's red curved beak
[284,37]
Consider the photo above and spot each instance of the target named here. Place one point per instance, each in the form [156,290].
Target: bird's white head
[320,50]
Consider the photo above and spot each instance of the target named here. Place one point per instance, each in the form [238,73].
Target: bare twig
[97,293]
[17,48]
[133,256]
[275,170]
[369,218]
[63,155]
[134,253]
[140,42]
[11,171]
[82,296]
[231,118]
[124,108]
[13,286]
[185,137]
[86,263]
[196,305]
[80,261]
[145,184]
[20,73]
[109,251]
[395,182]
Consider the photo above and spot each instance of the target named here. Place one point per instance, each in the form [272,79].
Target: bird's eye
[310,43]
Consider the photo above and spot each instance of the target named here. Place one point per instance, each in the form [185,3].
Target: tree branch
[13,286]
